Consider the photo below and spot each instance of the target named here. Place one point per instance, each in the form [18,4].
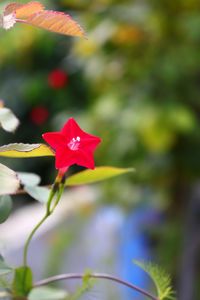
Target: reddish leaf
[34,13]
[23,10]
[56,22]
[11,8]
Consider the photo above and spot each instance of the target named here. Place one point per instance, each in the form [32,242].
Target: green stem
[57,188]
[60,191]
[51,196]
[30,238]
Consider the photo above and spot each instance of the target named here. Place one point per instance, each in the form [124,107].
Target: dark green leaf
[5,207]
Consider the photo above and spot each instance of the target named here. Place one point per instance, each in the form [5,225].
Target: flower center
[74,143]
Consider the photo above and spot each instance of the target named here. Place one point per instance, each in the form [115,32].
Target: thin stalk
[51,196]
[98,276]
[57,188]
[59,194]
[30,238]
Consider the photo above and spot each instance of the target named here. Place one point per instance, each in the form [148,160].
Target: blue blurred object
[135,245]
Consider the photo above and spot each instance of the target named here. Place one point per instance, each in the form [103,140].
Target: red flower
[57,79]
[72,145]
[39,115]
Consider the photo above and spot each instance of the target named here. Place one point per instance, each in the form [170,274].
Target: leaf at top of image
[23,10]
[56,22]
[33,13]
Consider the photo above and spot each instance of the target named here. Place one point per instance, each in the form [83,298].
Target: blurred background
[135,82]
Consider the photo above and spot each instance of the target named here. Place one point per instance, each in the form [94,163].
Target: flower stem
[51,196]
[59,194]
[57,188]
[30,238]
[95,275]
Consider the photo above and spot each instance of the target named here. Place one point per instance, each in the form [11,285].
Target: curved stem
[56,188]
[30,238]
[94,275]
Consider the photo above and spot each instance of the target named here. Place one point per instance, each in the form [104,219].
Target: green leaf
[39,193]
[98,174]
[29,179]
[5,207]
[4,268]
[160,278]
[87,285]
[9,182]
[23,281]
[8,120]
[25,150]
[47,293]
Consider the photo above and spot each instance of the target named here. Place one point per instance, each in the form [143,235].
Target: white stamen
[74,143]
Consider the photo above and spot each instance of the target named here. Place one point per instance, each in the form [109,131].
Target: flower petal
[85,159]
[72,130]
[90,143]
[55,139]
[64,158]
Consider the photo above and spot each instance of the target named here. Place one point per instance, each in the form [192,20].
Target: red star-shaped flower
[72,145]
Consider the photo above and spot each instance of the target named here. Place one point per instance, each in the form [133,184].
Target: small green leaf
[8,120]
[98,174]
[29,179]
[39,193]
[87,285]
[47,293]
[5,207]
[9,182]
[23,281]
[4,268]
[25,150]
[160,278]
